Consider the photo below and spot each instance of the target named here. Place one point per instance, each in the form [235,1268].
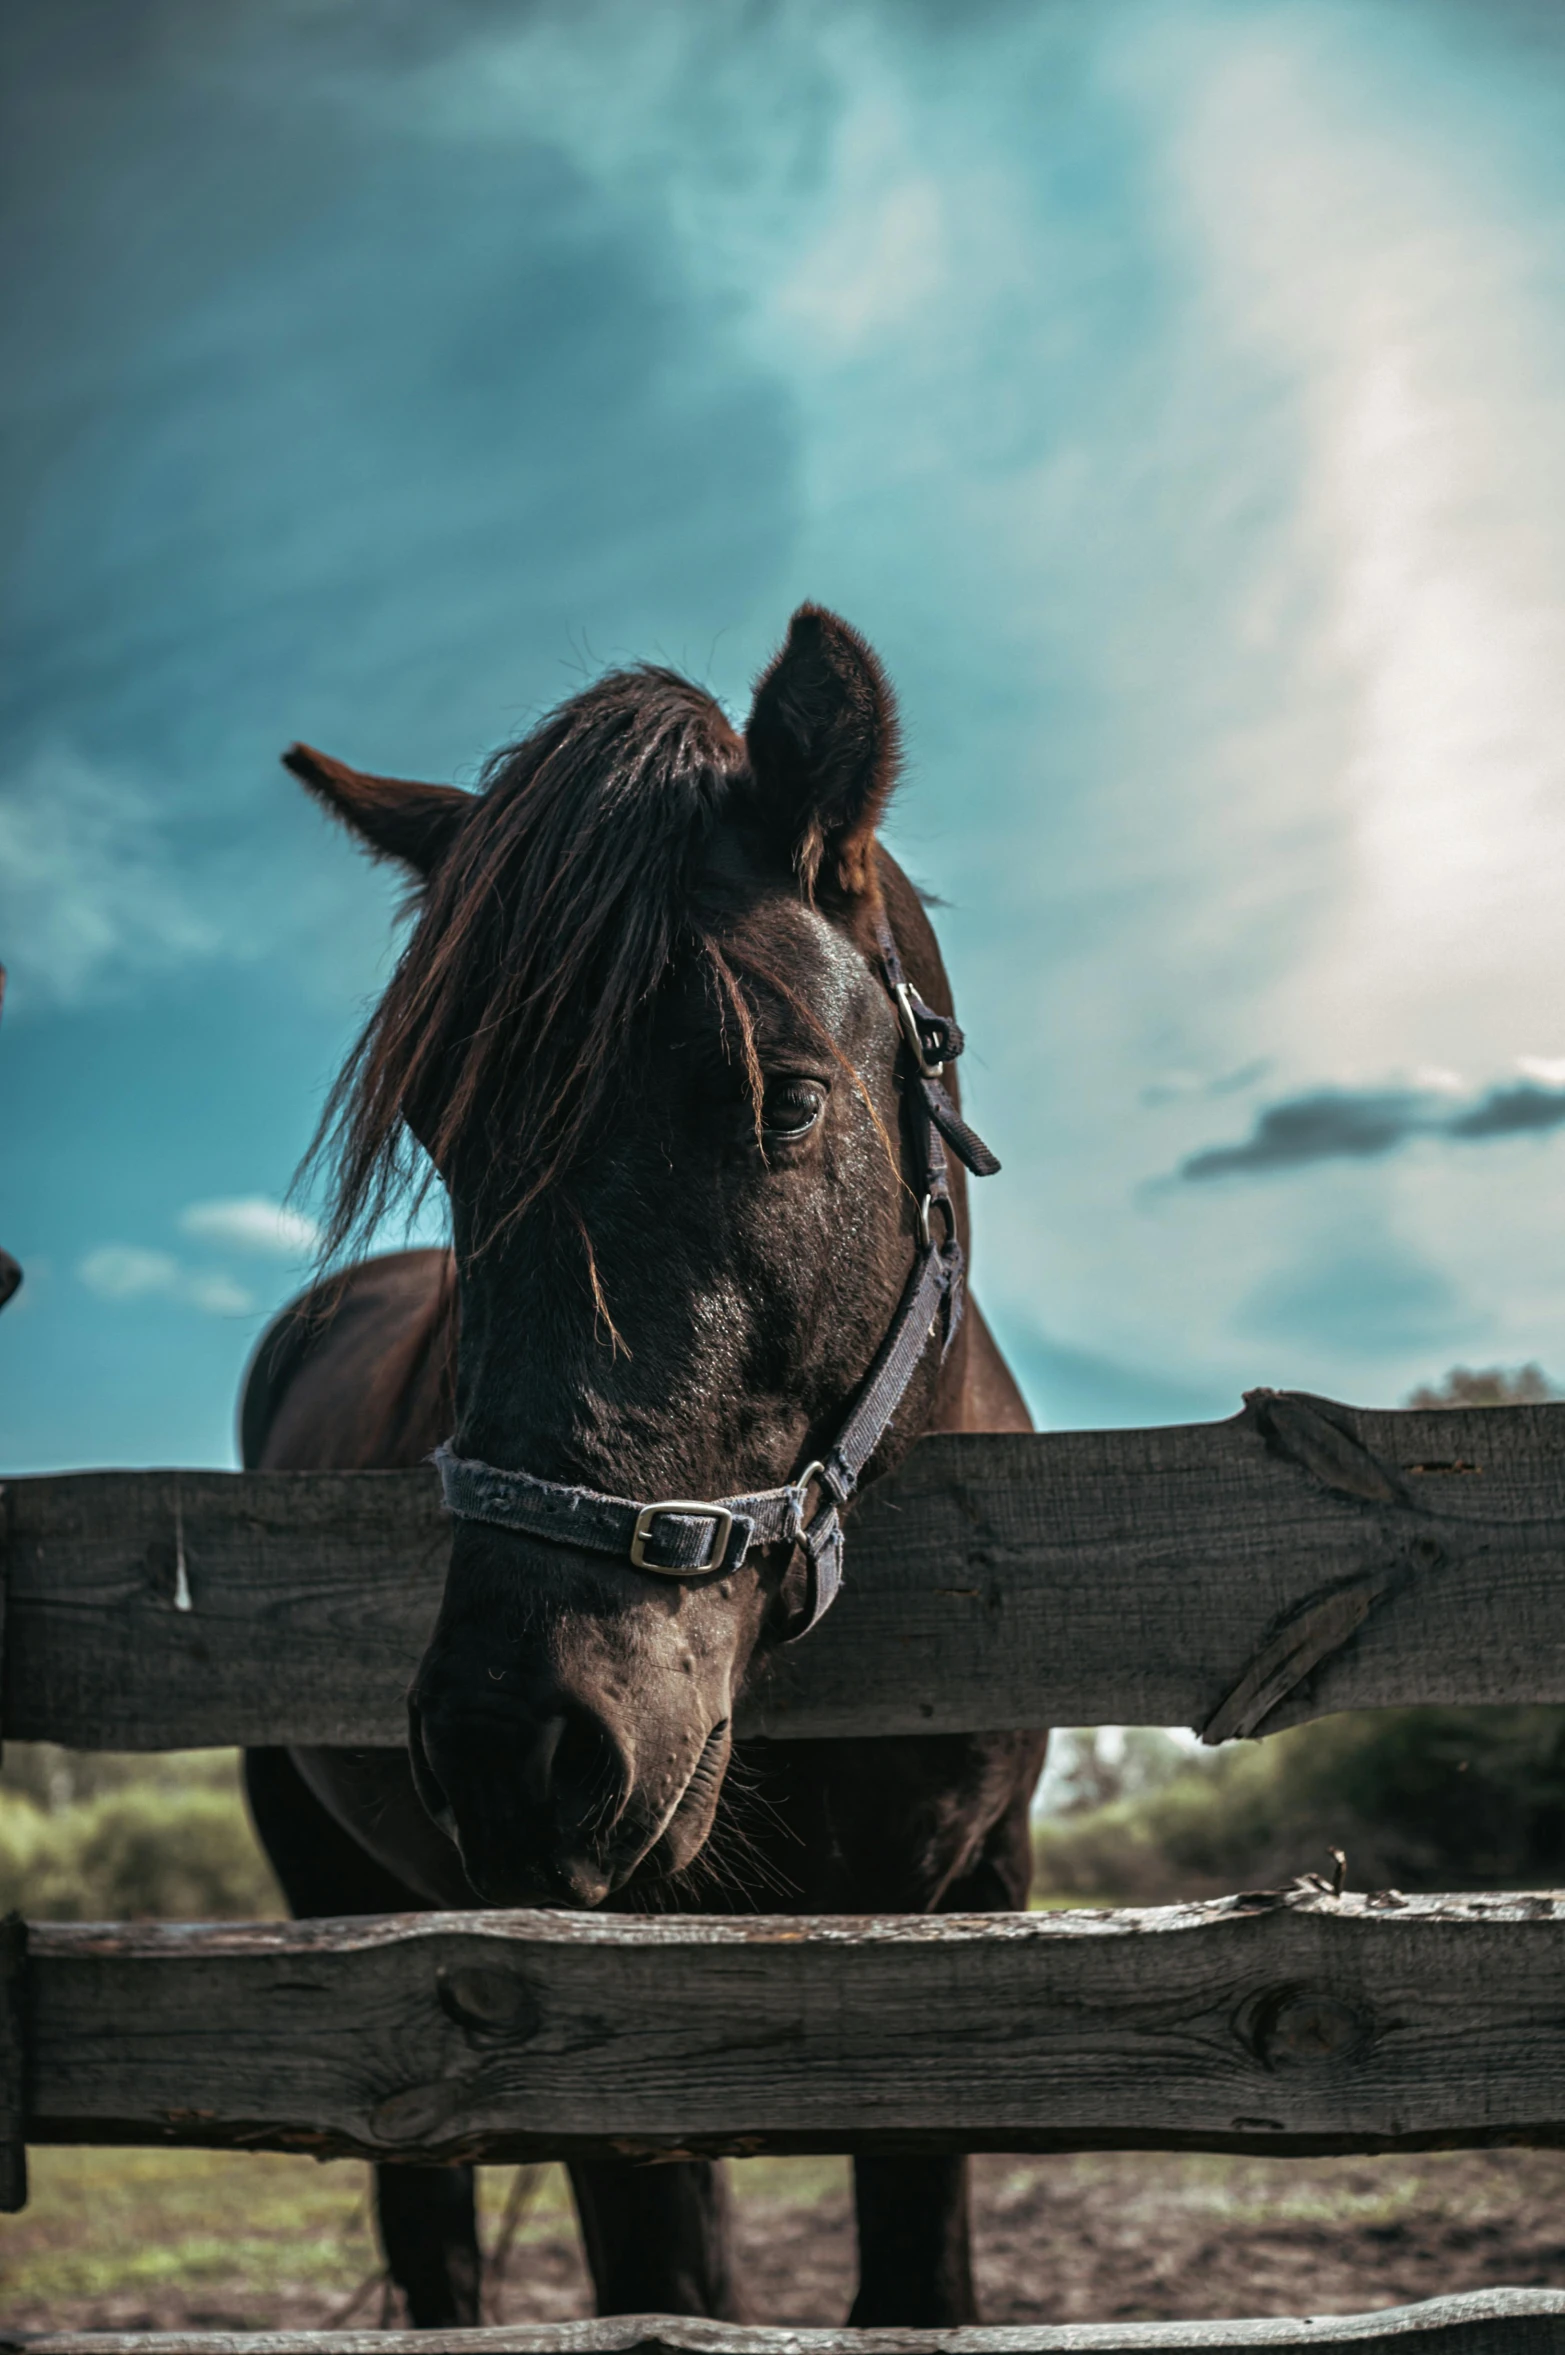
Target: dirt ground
[145,2240]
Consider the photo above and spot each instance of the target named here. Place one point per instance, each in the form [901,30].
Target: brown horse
[653,1030]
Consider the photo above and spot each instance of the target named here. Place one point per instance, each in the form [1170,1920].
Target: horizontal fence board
[1483,2322]
[309,1595]
[1146,1577]
[1293,2022]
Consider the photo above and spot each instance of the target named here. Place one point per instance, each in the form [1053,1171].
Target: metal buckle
[722,1530]
[905,995]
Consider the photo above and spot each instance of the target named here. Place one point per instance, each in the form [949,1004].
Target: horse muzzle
[545,1803]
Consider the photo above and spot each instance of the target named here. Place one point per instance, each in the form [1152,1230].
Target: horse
[669,1027]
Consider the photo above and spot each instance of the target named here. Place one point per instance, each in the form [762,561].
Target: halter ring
[800,1487]
[925,1238]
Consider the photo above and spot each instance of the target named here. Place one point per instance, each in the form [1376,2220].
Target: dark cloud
[1331,1124]
[1351,1124]
[1513,1111]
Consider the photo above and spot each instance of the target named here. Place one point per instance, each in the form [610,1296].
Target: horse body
[739,1208]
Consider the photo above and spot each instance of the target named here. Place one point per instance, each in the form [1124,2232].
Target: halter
[679,1538]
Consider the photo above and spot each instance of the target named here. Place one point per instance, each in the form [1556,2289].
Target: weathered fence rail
[1240,1576]
[1300,1559]
[1266,2023]
[1484,2322]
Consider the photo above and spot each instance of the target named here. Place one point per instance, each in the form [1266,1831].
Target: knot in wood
[1314,1434]
[1305,2028]
[417,2114]
[481,1997]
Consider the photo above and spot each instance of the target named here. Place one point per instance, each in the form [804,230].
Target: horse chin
[580,1886]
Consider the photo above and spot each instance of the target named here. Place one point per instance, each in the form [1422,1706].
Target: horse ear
[823,745]
[398,820]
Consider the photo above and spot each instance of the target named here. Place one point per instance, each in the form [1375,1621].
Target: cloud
[1349,1124]
[1522,1109]
[1174,1086]
[253,1223]
[120,1271]
[217,1294]
[1331,1124]
[125,1271]
[88,892]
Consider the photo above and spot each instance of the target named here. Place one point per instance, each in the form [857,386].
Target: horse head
[645,1030]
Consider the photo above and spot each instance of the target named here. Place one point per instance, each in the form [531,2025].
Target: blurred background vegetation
[1417,1798]
[94,1836]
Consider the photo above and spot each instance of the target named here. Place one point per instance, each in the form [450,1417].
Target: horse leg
[915,2237]
[429,2232]
[915,2251]
[426,2215]
[657,2237]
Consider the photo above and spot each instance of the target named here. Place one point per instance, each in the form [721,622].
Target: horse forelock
[539,943]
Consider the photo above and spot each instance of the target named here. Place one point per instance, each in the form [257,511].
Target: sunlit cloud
[121,1271]
[252,1223]
[124,1272]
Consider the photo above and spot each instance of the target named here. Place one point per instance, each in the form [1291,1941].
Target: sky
[1172,390]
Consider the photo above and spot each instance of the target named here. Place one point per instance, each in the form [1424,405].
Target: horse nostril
[538,1762]
[577,1772]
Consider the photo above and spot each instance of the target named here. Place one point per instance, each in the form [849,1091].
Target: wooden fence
[1302,1558]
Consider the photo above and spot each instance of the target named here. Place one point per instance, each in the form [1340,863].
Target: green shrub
[1417,1798]
[105,1838]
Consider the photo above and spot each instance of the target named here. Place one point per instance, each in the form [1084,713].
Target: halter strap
[682,1538]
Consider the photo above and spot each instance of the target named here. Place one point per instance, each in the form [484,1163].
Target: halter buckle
[907,1014]
[722,1529]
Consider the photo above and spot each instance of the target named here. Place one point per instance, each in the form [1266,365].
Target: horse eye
[792,1108]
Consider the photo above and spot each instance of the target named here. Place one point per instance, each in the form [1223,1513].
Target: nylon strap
[684,1538]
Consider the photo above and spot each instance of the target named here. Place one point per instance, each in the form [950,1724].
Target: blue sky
[1174,391]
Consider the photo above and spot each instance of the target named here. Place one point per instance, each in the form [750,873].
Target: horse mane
[540,940]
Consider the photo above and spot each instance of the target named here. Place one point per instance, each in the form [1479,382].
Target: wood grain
[1290,2022]
[1298,1559]
[1482,2322]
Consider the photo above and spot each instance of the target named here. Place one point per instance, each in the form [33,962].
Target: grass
[256,2228]
[113,2237]
[109,2223]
